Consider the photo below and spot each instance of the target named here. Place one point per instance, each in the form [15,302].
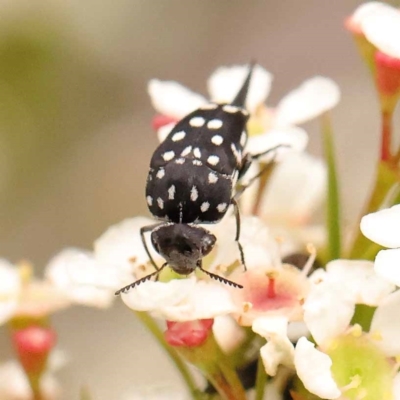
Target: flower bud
[387,74]
[33,345]
[188,333]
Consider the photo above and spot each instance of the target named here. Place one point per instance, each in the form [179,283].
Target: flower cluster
[320,319]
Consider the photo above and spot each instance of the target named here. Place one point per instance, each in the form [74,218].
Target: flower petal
[292,139]
[172,99]
[164,131]
[387,265]
[364,10]
[121,245]
[228,334]
[314,369]
[82,279]
[396,386]
[181,299]
[295,190]
[383,227]
[279,349]
[225,82]
[385,325]
[10,287]
[153,296]
[308,101]
[359,278]
[382,28]
[206,300]
[328,310]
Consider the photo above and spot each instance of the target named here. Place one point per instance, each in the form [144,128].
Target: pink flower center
[277,291]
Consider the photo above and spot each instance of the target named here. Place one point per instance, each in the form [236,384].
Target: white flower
[82,278]
[181,299]
[314,369]
[328,311]
[10,287]
[121,245]
[14,384]
[380,23]
[383,227]
[228,334]
[331,302]
[225,83]
[22,295]
[266,129]
[279,349]
[294,194]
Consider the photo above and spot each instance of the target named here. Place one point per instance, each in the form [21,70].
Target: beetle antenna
[126,288]
[240,98]
[221,279]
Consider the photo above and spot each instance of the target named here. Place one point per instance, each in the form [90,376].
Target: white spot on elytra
[197,152]
[180,161]
[168,155]
[222,207]
[186,151]
[230,109]
[171,192]
[197,122]
[197,162]
[205,206]
[160,202]
[213,160]
[160,173]
[217,140]
[212,178]
[244,112]
[243,138]
[194,194]
[209,106]
[149,200]
[214,124]
[178,136]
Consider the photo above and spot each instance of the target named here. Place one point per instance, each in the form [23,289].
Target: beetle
[192,180]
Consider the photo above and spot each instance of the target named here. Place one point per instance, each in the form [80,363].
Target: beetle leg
[248,159]
[143,230]
[237,237]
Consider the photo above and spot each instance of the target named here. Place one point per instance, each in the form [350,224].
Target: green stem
[34,382]
[176,359]
[216,368]
[261,380]
[333,203]
[385,179]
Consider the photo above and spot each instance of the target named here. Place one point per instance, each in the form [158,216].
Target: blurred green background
[76,140]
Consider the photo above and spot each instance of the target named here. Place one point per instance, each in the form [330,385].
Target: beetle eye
[207,243]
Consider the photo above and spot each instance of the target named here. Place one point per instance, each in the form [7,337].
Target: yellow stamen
[247,306]
[355,382]
[25,270]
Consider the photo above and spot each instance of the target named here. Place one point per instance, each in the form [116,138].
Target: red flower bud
[387,74]
[188,333]
[33,345]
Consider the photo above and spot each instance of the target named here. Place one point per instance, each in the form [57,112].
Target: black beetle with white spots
[192,180]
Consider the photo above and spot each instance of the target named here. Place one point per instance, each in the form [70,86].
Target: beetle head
[183,246]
